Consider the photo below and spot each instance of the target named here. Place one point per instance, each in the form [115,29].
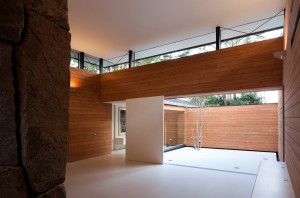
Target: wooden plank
[174,127]
[89,119]
[291,80]
[245,67]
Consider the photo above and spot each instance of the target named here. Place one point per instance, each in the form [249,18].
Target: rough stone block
[57,192]
[43,78]
[54,10]
[11,20]
[12,182]
[8,140]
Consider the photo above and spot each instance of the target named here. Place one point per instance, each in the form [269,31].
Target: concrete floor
[238,161]
[111,176]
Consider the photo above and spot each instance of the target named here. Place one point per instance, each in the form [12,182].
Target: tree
[184,53]
[243,40]
[228,99]
[147,61]
[200,101]
[246,99]
[160,58]
[207,48]
[201,115]
[218,100]
[91,67]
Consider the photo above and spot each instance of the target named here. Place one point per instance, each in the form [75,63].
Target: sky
[269,96]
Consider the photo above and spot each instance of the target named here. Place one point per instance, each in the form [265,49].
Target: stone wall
[34,96]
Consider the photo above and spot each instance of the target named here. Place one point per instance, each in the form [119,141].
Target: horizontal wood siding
[171,128]
[90,121]
[280,126]
[291,81]
[174,127]
[249,127]
[245,67]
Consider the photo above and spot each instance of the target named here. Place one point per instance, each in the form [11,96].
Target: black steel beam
[81,60]
[130,58]
[101,65]
[218,37]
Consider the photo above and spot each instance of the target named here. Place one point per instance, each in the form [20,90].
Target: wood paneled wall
[90,121]
[244,67]
[291,81]
[174,127]
[181,128]
[249,127]
[171,128]
[280,126]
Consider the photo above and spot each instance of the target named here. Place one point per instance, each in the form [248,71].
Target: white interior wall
[145,129]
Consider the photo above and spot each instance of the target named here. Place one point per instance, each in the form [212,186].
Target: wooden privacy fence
[249,127]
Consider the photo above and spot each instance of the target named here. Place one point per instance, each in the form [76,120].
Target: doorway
[119,126]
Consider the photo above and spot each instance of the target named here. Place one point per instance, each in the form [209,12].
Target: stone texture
[11,20]
[8,141]
[12,183]
[43,78]
[53,10]
[56,192]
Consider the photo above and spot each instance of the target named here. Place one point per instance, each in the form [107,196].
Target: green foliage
[91,67]
[147,61]
[207,48]
[166,57]
[245,99]
[201,101]
[225,100]
[160,58]
[113,68]
[74,62]
[217,100]
[184,53]
[243,40]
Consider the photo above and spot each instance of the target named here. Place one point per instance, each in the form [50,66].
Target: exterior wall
[246,67]
[249,127]
[90,123]
[174,127]
[34,97]
[291,82]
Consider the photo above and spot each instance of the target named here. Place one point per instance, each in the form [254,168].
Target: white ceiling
[109,28]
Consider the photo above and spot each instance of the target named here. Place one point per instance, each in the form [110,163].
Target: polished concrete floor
[238,161]
[185,174]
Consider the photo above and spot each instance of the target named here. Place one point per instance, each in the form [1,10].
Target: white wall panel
[145,129]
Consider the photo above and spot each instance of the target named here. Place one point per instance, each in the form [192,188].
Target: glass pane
[252,38]
[74,62]
[91,67]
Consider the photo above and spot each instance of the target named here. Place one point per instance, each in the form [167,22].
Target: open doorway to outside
[228,132]
[244,122]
